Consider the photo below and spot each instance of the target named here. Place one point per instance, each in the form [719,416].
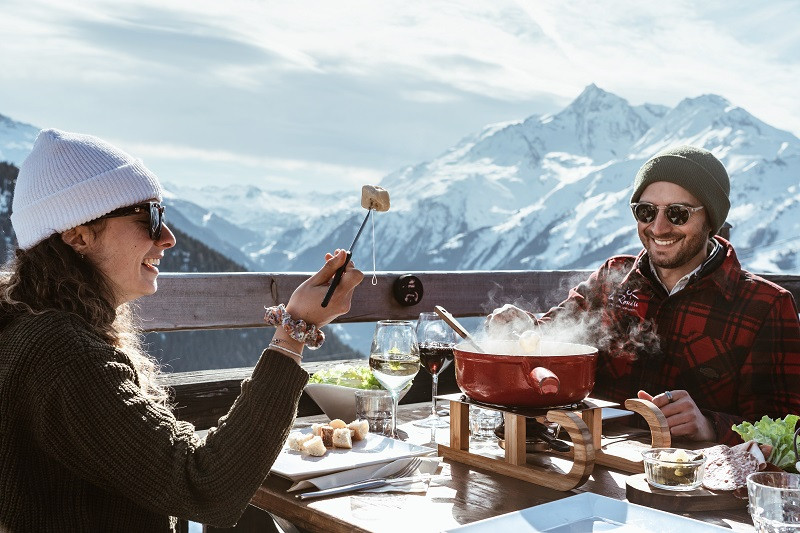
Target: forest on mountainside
[8,177]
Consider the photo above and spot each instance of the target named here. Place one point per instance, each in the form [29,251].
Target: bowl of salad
[333,389]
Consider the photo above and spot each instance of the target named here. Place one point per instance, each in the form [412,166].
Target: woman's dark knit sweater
[81,449]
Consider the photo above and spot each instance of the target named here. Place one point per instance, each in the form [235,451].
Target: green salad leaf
[777,433]
[354,376]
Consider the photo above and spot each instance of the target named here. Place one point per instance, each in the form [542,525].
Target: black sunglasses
[677,214]
[155,209]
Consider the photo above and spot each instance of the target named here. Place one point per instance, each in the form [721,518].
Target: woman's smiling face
[121,248]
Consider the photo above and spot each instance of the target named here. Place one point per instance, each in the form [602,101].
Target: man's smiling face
[674,250]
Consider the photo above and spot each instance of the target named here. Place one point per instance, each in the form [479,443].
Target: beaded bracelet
[299,330]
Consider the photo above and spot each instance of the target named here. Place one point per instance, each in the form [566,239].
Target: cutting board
[638,490]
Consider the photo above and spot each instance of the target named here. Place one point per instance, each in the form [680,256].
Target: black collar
[715,258]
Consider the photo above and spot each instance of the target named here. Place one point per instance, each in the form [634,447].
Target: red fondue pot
[562,375]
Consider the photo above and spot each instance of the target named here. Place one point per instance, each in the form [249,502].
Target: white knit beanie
[69,179]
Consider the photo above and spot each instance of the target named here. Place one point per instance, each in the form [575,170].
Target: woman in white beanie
[87,440]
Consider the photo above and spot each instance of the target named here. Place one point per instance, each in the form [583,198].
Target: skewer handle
[456,325]
[337,277]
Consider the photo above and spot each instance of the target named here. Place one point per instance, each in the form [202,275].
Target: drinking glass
[436,341]
[394,359]
[374,406]
[483,422]
[774,499]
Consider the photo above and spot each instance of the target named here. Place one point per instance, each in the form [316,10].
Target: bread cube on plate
[360,429]
[326,432]
[341,438]
[296,440]
[314,447]
[337,423]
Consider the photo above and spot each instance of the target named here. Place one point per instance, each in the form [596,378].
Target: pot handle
[544,380]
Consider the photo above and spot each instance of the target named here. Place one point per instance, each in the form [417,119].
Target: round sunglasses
[155,210]
[677,214]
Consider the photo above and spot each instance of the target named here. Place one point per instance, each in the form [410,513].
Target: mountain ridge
[545,191]
[551,192]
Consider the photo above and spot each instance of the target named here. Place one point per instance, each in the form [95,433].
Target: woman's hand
[306,300]
[683,416]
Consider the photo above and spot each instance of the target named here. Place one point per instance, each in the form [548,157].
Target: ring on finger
[668,394]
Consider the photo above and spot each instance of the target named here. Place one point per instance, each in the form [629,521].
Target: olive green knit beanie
[694,169]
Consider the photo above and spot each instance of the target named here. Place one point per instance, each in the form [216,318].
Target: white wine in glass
[394,359]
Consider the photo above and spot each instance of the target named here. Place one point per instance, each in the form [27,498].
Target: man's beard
[692,245]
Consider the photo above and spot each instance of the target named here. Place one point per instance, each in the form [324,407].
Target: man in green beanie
[682,324]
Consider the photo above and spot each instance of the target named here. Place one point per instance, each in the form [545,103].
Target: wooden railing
[213,301]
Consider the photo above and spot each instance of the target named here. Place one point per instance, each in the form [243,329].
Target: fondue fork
[339,271]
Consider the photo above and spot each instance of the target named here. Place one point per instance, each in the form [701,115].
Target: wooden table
[471,494]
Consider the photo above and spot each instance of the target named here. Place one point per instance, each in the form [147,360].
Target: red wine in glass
[436,340]
[435,356]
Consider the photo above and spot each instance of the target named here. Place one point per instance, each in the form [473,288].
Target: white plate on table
[588,512]
[375,449]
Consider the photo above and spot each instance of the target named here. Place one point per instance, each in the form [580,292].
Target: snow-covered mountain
[16,140]
[246,218]
[546,192]
[551,192]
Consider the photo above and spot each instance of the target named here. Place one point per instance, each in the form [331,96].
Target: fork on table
[371,483]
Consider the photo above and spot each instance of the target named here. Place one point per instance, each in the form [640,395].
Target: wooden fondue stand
[583,424]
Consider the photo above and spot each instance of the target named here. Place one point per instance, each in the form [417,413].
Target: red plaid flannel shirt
[729,338]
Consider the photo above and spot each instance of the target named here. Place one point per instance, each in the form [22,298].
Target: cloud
[372,86]
[279,170]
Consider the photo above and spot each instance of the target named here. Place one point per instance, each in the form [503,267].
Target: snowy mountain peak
[707,101]
[595,99]
[601,123]
[712,122]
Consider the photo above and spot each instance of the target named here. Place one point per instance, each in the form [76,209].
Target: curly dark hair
[52,276]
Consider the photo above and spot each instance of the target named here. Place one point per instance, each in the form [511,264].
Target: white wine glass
[394,359]
[436,340]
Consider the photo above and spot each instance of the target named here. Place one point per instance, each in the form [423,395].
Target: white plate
[374,449]
[588,512]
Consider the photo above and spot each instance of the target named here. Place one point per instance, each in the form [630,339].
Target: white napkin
[428,466]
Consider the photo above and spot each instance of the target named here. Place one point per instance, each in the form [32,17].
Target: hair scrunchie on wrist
[299,330]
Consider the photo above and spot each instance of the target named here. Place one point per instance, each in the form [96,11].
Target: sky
[327,96]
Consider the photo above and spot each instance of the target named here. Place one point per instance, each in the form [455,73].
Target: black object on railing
[407,290]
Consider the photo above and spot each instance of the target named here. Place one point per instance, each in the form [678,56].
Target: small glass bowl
[674,468]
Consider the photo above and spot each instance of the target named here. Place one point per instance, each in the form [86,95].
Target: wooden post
[459,426]
[515,437]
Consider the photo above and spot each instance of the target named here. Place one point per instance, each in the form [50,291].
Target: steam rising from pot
[614,328]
